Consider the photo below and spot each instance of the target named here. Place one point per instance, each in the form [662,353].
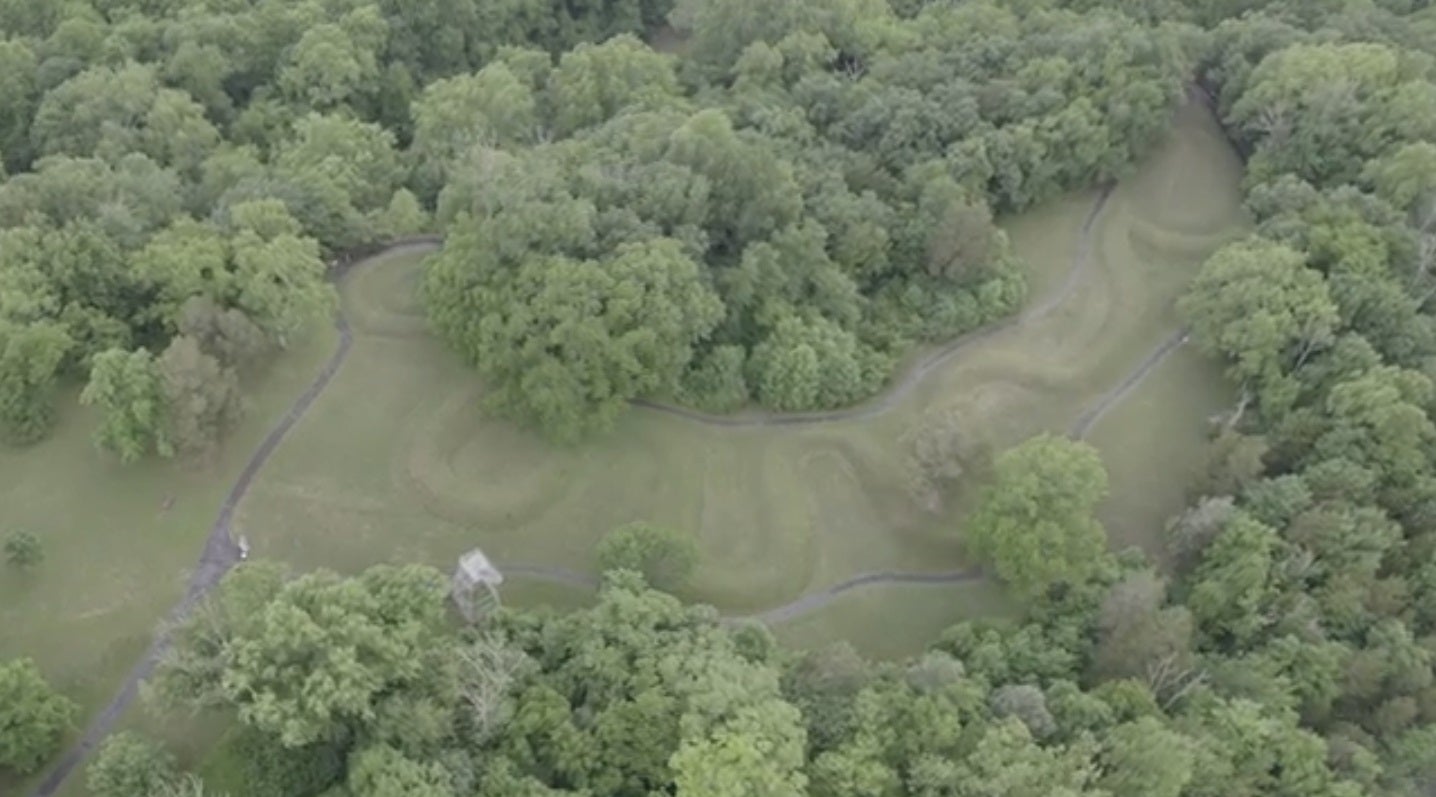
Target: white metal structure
[475,586]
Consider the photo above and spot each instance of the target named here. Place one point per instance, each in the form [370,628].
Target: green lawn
[115,559]
[896,620]
[394,463]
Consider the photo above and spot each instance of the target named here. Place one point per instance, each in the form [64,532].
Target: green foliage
[278,274]
[250,763]
[34,716]
[1139,635]
[650,693]
[806,365]
[403,216]
[715,381]
[23,550]
[345,173]
[566,343]
[128,765]
[832,171]
[109,112]
[1257,304]
[30,358]
[777,214]
[1322,110]
[127,388]
[226,334]
[665,557]
[1036,524]
[1144,759]
[201,397]
[382,771]
[317,656]
[594,83]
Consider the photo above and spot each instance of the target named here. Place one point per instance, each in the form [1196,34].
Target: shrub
[665,557]
[247,763]
[130,765]
[22,549]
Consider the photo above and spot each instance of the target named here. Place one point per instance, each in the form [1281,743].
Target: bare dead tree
[1171,680]
[1425,223]
[488,670]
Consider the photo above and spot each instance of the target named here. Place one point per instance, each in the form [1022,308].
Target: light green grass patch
[116,560]
[890,622]
[397,463]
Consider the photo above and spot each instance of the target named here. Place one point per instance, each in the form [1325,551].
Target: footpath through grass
[396,463]
[119,541]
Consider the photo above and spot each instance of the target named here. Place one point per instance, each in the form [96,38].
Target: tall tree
[201,397]
[278,275]
[34,717]
[1257,304]
[665,557]
[30,359]
[319,654]
[129,765]
[126,387]
[1035,523]
[566,343]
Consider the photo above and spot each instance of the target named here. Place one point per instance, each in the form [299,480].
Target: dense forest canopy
[775,215]
[822,180]
[797,201]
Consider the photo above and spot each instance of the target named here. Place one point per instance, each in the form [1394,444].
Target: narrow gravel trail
[1084,423]
[220,553]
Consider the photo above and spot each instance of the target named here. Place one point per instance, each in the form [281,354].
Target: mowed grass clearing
[396,462]
[116,560]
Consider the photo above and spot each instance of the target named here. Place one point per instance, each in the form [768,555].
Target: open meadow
[395,463]
[119,541]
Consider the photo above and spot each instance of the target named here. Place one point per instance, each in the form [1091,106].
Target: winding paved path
[220,554]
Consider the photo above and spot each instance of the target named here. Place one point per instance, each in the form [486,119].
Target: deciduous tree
[201,397]
[34,716]
[1257,304]
[129,765]
[30,359]
[1035,523]
[126,387]
[664,556]
[317,655]
[566,343]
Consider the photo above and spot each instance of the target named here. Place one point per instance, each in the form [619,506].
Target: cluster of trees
[178,172]
[774,215]
[793,203]
[1306,569]
[357,687]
